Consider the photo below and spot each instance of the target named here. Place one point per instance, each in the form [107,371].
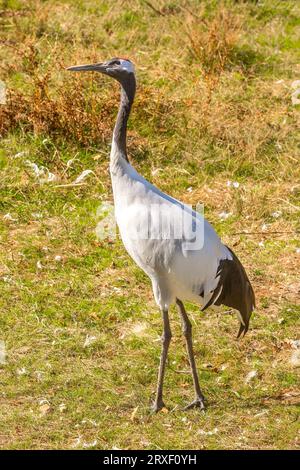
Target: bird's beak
[100,67]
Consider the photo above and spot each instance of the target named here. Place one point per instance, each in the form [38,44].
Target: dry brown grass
[212,41]
[70,112]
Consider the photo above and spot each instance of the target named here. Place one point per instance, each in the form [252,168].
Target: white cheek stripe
[127,65]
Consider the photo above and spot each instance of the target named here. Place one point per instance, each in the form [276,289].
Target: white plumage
[175,272]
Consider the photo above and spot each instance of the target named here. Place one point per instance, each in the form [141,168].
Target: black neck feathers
[128,87]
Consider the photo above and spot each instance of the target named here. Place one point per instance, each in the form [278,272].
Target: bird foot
[197,403]
[157,406]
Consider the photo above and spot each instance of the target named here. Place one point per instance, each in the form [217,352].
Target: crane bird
[204,271]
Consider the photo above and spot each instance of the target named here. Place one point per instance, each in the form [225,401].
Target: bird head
[117,68]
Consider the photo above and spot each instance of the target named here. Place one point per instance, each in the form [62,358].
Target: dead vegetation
[212,41]
[68,112]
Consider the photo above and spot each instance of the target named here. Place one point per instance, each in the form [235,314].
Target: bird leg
[187,331]
[166,339]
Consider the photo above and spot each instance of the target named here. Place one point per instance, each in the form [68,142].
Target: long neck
[120,130]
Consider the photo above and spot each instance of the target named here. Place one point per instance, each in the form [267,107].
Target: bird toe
[157,406]
[197,403]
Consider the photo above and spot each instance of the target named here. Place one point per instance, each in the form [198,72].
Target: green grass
[82,331]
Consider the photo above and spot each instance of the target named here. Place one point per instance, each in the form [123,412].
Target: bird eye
[115,62]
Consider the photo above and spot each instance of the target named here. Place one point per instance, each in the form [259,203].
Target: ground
[215,121]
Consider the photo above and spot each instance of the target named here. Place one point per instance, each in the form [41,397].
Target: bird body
[173,244]
[175,271]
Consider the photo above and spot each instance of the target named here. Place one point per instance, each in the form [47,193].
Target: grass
[80,326]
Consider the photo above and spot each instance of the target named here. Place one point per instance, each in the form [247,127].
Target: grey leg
[187,331]
[166,339]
